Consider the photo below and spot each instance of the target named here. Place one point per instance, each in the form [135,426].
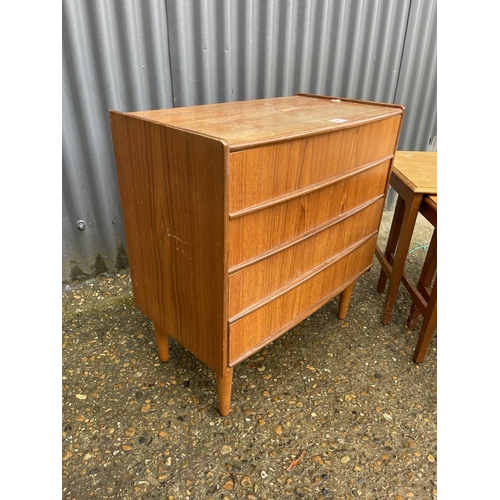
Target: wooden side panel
[260,231]
[263,173]
[259,280]
[172,187]
[253,331]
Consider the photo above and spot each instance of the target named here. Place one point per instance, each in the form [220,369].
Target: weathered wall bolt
[81,225]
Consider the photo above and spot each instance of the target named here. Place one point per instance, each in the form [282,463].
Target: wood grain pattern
[258,232]
[263,173]
[253,283]
[280,315]
[263,210]
[172,187]
[245,124]
[418,170]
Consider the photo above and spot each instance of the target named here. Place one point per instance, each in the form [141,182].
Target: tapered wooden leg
[428,325]
[162,343]
[224,387]
[425,281]
[345,298]
[407,225]
[392,241]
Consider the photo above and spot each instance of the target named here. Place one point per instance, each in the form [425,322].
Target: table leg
[425,281]
[345,298]
[224,387]
[403,244]
[162,343]
[428,325]
[392,241]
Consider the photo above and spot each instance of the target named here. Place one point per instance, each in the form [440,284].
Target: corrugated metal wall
[134,55]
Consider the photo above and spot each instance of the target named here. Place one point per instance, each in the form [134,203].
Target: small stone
[146,407]
[398,497]
[67,455]
[278,429]
[347,397]
[317,459]
[246,482]
[226,449]
[345,459]
[162,434]
[130,431]
[262,422]
[126,447]
[81,396]
[261,368]
[229,484]
[431,458]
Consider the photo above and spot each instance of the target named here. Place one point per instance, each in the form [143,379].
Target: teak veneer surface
[417,169]
[245,123]
[243,218]
[172,193]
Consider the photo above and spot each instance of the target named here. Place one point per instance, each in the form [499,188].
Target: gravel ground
[331,410]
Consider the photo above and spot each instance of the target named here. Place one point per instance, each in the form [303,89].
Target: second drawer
[256,233]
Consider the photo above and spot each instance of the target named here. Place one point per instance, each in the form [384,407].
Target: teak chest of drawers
[244,218]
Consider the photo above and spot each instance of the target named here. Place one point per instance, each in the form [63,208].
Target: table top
[417,169]
[246,123]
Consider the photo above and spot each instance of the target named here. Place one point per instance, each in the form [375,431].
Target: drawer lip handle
[303,278]
[304,236]
[294,321]
[308,189]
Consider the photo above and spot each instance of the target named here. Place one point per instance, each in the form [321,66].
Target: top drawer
[261,174]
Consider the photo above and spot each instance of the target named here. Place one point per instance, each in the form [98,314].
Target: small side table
[414,175]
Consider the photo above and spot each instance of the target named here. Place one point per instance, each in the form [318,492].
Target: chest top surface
[244,124]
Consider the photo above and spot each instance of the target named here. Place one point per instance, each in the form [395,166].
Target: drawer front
[260,327]
[259,232]
[280,270]
[263,173]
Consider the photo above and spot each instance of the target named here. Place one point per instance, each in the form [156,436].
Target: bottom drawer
[252,332]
